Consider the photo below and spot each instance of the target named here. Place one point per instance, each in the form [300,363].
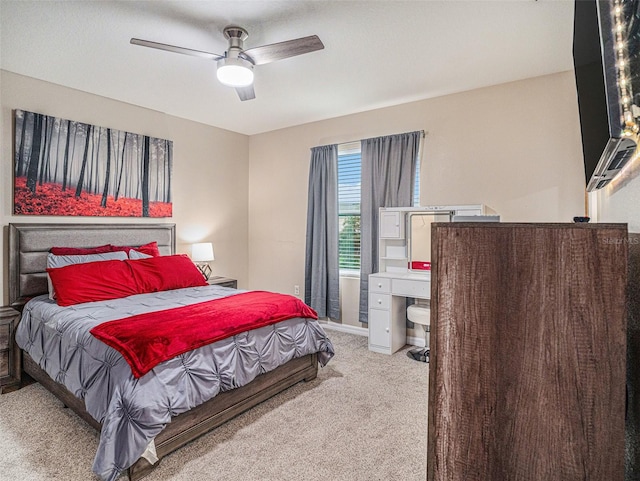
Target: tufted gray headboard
[29,245]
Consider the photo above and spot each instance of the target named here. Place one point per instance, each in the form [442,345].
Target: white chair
[420,313]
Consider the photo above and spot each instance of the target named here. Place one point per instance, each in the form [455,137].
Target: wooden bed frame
[28,248]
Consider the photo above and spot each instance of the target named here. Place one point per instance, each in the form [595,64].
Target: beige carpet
[363,418]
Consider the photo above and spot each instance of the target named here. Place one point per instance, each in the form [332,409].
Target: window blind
[349,209]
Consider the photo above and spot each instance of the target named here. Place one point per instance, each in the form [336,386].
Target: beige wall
[210,168]
[514,147]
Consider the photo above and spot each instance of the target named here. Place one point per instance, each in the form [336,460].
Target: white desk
[387,307]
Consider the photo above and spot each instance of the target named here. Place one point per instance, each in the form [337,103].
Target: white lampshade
[235,72]
[202,252]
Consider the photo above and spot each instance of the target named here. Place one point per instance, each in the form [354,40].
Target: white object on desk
[387,307]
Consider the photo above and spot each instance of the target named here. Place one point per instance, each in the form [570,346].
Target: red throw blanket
[146,340]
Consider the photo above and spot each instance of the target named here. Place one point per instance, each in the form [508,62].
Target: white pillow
[138,255]
[54,261]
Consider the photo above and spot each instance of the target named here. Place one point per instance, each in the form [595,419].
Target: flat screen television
[606,63]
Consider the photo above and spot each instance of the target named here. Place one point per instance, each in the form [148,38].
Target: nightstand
[223,281]
[9,353]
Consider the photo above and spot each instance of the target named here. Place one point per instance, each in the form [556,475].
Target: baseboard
[363,331]
[336,326]
[416,341]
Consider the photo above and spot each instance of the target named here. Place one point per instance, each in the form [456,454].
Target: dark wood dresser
[528,346]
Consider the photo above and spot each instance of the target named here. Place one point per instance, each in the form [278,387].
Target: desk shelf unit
[394,281]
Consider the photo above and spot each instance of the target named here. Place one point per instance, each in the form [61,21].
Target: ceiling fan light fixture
[235,72]
[235,67]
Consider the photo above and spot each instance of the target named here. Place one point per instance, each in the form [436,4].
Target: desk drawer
[379,284]
[379,301]
[411,288]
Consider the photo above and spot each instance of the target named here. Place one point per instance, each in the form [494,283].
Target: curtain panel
[388,169]
[322,282]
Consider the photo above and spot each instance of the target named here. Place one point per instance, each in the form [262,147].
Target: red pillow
[150,249]
[93,281]
[80,251]
[165,273]
[101,281]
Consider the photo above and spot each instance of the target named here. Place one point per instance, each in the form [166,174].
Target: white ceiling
[377,53]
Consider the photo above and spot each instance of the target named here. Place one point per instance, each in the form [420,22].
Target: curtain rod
[424,134]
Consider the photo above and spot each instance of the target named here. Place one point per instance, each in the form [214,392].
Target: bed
[236,373]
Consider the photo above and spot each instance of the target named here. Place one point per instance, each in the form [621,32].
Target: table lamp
[201,255]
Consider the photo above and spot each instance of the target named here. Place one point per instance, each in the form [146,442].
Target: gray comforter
[133,411]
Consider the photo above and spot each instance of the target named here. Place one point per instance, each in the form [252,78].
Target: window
[349,169]
[349,207]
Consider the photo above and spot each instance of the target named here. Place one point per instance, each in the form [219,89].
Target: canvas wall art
[68,168]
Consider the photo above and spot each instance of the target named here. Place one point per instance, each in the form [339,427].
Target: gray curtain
[321,283]
[388,169]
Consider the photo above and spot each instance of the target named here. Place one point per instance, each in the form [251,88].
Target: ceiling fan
[235,67]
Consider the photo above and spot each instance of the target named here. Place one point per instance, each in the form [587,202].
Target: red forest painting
[64,167]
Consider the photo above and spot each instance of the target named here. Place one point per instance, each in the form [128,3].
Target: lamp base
[205,270]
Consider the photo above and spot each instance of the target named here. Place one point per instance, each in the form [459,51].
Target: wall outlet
[296,290]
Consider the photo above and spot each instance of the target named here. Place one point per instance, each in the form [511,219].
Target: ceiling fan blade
[173,48]
[281,50]
[246,93]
